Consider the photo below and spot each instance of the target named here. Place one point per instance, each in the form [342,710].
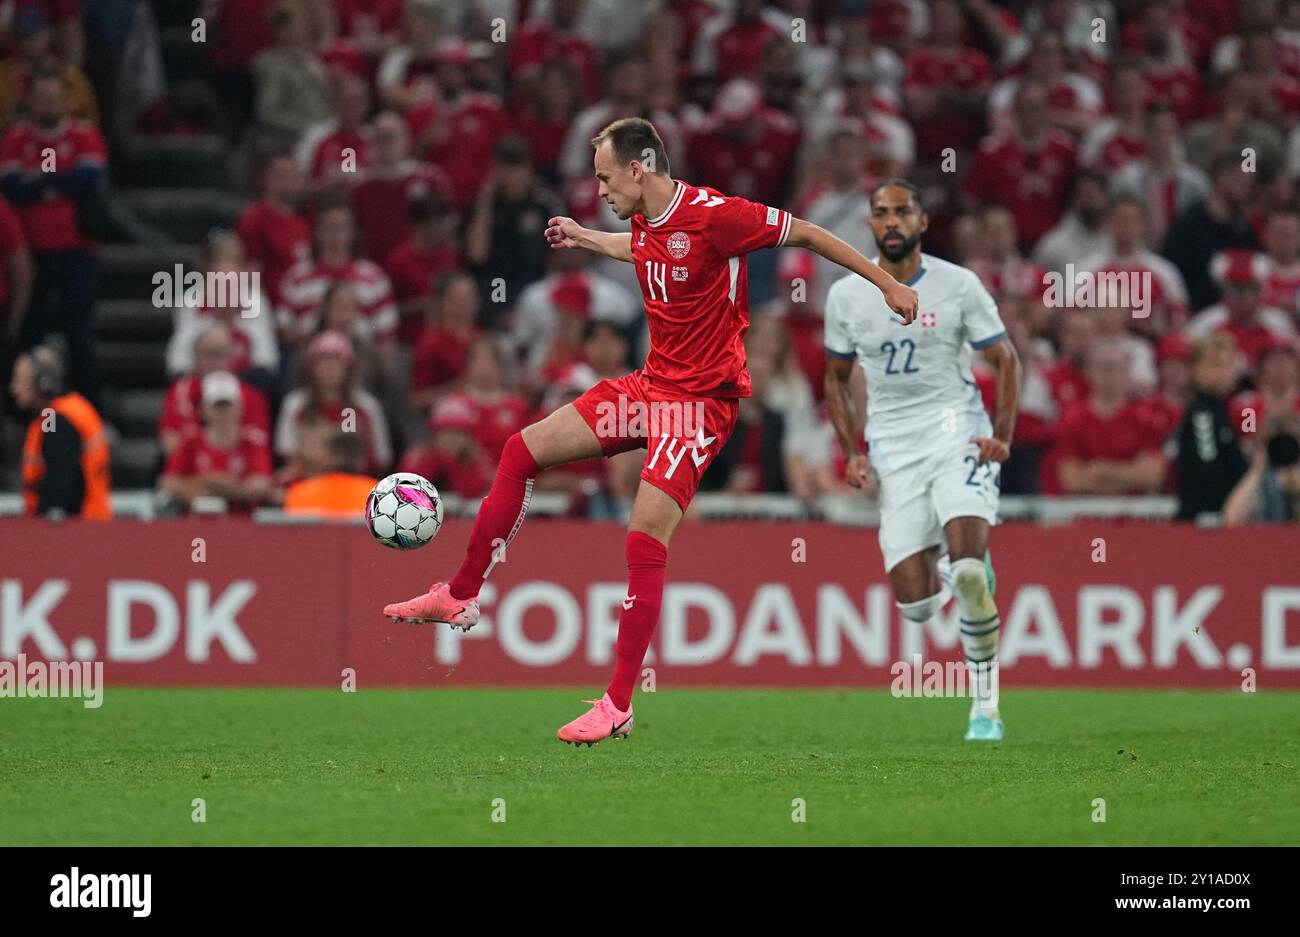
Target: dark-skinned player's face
[897,222]
[620,185]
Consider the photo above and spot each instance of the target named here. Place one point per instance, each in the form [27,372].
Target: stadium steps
[135,462]
[126,270]
[187,216]
[180,162]
[132,319]
[132,363]
[134,412]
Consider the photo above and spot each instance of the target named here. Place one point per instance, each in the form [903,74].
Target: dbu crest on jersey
[679,245]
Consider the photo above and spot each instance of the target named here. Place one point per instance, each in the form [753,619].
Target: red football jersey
[51,223]
[196,455]
[690,262]
[275,241]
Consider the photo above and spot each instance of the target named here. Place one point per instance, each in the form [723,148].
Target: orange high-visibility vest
[336,494]
[77,410]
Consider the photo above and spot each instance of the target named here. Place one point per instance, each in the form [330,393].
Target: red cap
[1174,345]
[451,50]
[331,344]
[454,412]
[572,294]
[1239,267]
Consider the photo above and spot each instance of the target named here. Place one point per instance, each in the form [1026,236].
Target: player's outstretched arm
[562,231]
[902,299]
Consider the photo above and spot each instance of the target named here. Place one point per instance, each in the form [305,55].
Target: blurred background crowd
[388,168]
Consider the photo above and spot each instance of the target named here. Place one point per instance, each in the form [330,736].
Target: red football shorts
[681,433]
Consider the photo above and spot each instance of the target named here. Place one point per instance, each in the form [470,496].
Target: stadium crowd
[405,156]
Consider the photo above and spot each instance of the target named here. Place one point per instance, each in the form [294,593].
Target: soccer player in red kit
[688,245]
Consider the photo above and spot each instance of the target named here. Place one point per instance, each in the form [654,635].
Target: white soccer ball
[404,511]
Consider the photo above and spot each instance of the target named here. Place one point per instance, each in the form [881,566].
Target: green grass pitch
[702,767]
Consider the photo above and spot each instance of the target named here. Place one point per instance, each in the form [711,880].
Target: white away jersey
[921,395]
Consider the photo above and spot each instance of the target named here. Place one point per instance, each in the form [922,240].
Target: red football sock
[499,517]
[646,559]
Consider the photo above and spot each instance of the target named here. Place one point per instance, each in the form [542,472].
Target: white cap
[221,387]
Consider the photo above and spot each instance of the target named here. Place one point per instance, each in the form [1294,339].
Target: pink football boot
[600,722]
[436,605]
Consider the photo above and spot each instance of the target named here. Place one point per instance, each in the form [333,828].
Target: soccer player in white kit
[934,456]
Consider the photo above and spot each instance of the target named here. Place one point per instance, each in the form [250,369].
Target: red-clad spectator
[343,59]
[407,73]
[454,461]
[224,459]
[1120,137]
[733,48]
[256,355]
[16,273]
[746,148]
[572,299]
[373,26]
[1027,169]
[1036,420]
[1107,444]
[304,286]
[498,414]
[416,264]
[1074,102]
[1162,179]
[544,115]
[998,264]
[1076,330]
[328,391]
[588,477]
[1277,390]
[459,131]
[47,203]
[383,194]
[1281,243]
[442,352]
[946,85]
[1276,95]
[214,350]
[338,149]
[898,24]
[1168,45]
[1241,275]
[1165,303]
[803,317]
[572,281]
[274,234]
[557,39]
[1163,407]
[238,30]
[340,311]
